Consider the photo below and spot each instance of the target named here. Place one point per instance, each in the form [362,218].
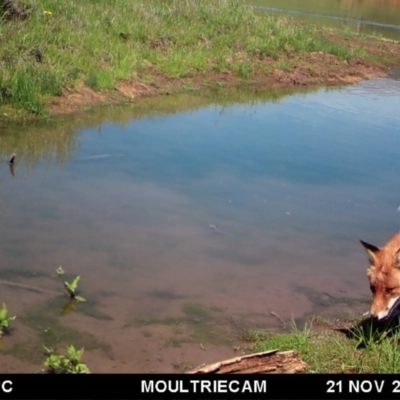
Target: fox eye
[372,289]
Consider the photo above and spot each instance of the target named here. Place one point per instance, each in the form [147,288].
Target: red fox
[384,276]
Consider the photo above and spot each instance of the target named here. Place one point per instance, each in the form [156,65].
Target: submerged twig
[12,159]
[27,287]
[214,228]
[279,317]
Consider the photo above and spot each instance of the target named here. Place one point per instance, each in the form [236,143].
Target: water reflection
[366,16]
[57,140]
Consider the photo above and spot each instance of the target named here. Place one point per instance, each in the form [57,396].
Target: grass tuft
[364,348]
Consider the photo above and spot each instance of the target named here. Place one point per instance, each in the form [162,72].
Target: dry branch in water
[266,362]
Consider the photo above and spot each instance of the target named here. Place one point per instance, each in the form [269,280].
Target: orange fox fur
[384,276]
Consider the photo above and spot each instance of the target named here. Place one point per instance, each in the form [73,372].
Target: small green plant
[254,336]
[60,270]
[302,336]
[69,364]
[4,320]
[92,81]
[71,289]
[244,69]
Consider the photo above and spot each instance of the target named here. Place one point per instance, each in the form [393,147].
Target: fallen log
[266,362]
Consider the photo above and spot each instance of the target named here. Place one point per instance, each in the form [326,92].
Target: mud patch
[165,295]
[197,324]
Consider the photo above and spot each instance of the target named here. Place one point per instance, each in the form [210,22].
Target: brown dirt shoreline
[306,69]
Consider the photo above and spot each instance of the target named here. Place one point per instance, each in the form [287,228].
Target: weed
[92,81]
[244,69]
[24,92]
[254,336]
[71,289]
[4,320]
[69,364]
[301,336]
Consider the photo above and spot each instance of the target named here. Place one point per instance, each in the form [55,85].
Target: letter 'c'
[6,386]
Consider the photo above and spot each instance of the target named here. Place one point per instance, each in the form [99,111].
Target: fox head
[384,276]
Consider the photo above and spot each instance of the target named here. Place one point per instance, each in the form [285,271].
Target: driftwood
[267,362]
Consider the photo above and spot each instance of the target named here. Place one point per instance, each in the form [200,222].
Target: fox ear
[372,250]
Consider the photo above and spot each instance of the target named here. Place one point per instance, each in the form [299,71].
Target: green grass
[362,348]
[102,42]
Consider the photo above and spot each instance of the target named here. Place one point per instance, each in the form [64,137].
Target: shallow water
[381,17]
[191,218]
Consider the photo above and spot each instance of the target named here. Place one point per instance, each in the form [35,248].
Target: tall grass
[103,41]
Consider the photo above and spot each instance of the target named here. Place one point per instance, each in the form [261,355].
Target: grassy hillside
[48,46]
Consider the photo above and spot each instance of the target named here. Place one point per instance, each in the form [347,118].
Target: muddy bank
[308,69]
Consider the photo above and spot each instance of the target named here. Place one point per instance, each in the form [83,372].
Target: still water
[379,17]
[192,218]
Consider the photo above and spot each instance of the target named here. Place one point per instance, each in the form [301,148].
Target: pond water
[191,218]
[381,17]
